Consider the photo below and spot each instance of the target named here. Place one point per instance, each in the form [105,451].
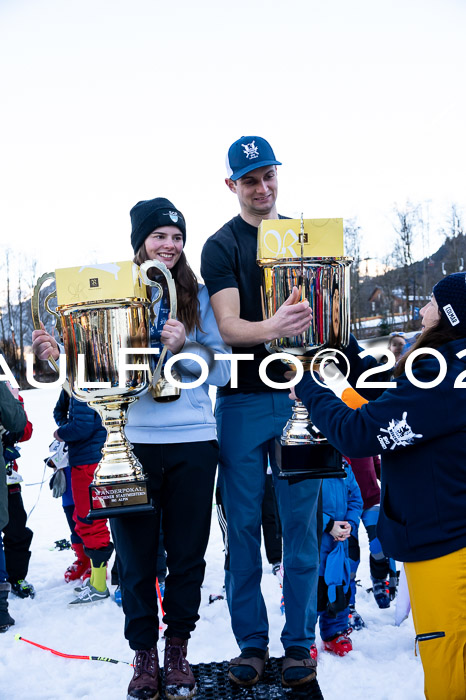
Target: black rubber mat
[213,684]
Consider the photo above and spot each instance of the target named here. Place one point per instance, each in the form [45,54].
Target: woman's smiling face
[165,244]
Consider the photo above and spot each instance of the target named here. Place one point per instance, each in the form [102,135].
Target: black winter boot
[6,620]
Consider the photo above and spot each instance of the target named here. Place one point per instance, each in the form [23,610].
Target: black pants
[16,537]
[161,563]
[181,483]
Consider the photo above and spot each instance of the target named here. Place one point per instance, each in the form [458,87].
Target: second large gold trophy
[307,255]
[106,348]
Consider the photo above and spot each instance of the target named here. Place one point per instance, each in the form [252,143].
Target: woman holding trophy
[176,445]
[175,441]
[419,424]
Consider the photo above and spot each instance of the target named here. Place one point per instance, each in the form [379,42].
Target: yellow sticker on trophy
[279,239]
[107,281]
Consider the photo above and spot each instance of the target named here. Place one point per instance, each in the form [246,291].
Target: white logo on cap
[251,150]
[450,314]
[173,216]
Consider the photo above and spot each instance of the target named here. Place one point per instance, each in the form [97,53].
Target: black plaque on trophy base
[312,461]
[119,498]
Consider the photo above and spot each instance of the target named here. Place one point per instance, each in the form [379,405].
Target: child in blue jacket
[342,507]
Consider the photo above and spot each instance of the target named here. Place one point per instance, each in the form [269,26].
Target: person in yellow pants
[418,425]
[437,590]
[440,628]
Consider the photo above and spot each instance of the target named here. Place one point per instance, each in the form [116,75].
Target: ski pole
[71,656]
[159,596]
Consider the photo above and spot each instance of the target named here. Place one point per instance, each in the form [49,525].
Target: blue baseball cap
[249,153]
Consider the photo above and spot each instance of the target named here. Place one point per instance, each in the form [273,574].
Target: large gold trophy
[103,316]
[307,254]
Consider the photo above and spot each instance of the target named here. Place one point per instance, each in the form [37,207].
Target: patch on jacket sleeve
[399,433]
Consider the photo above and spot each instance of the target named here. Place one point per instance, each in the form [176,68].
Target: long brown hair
[436,336]
[186,289]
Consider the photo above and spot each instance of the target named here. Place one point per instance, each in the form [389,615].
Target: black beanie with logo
[149,215]
[450,295]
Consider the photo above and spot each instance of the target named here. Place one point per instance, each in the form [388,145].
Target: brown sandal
[255,662]
[308,663]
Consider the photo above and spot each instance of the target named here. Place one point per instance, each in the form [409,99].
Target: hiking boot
[248,668]
[88,596]
[381,593]
[339,645]
[355,620]
[23,589]
[144,684]
[76,570]
[179,679]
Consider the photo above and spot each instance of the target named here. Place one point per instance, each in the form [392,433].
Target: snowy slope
[381,667]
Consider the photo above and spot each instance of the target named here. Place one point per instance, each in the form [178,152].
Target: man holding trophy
[248,417]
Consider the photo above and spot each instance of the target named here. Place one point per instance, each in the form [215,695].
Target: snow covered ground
[382,665]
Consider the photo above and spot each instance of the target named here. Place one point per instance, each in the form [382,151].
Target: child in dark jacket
[85,436]
[81,567]
[342,507]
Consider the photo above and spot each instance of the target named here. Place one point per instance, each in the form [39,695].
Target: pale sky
[107,102]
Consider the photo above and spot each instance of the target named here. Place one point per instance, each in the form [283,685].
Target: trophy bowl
[302,450]
[94,335]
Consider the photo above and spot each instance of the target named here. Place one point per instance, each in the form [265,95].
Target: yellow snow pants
[437,589]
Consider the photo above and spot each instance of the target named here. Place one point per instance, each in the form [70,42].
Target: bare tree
[7,324]
[454,233]
[16,324]
[407,224]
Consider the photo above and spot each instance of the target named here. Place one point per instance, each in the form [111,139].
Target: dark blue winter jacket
[421,435]
[60,412]
[84,434]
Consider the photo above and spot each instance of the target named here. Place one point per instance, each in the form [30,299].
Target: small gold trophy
[307,254]
[103,316]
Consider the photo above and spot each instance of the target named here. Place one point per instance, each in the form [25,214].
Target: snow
[381,666]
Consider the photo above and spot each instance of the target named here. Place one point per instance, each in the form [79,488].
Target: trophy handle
[35,308]
[173,307]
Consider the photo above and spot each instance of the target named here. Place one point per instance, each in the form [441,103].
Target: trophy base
[315,460]
[113,499]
